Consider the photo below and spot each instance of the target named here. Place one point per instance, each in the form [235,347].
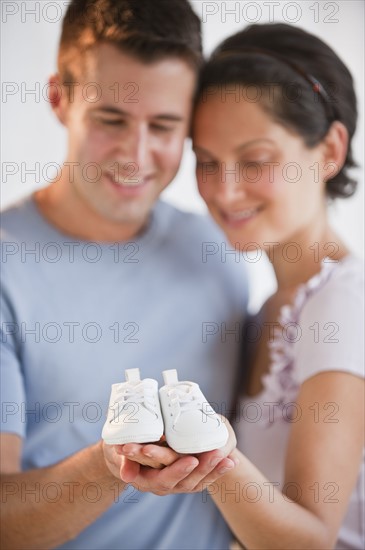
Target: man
[99,276]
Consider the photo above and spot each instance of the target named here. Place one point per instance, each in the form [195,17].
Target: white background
[30,134]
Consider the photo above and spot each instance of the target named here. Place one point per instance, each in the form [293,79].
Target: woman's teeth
[242,215]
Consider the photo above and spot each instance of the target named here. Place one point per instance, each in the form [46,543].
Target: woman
[274,119]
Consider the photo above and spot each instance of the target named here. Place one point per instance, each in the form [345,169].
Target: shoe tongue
[133,387]
[184,387]
[135,384]
[132,376]
[185,393]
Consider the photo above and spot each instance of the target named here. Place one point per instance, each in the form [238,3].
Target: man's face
[127,123]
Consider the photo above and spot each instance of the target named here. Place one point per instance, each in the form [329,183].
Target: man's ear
[58,97]
[335,149]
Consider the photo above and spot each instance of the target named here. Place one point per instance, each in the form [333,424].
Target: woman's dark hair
[297,78]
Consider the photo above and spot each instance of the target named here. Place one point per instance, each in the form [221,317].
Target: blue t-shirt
[75,314]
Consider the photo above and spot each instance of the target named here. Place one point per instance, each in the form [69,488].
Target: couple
[297,480]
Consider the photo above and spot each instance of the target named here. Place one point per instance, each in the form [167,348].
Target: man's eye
[111,122]
[161,128]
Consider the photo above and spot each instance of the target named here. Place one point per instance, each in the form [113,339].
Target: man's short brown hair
[150,30]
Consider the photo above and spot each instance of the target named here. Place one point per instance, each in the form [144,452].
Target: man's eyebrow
[170,117]
[112,110]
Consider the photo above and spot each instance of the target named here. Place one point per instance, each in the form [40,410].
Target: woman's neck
[296,261]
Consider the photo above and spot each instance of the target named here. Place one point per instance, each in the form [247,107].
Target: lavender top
[321,331]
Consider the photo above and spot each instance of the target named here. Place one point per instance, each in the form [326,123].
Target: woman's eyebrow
[197,148]
[253,142]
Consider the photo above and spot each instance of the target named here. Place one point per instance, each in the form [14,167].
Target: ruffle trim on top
[280,387]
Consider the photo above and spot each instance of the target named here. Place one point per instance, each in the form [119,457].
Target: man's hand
[160,470]
[113,459]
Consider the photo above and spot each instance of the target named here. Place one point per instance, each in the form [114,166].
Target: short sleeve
[331,326]
[11,378]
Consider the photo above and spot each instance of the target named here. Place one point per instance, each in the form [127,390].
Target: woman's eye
[201,160]
[208,166]
[257,160]
[252,163]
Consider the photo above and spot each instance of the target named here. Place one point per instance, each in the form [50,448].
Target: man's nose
[136,148]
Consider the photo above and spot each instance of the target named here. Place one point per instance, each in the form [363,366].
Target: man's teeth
[126,182]
[244,214]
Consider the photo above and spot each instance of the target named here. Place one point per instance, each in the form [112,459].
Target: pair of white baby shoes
[139,413]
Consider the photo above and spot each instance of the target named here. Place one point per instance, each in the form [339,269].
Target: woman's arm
[322,464]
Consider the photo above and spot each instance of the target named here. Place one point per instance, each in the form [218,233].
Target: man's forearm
[46,507]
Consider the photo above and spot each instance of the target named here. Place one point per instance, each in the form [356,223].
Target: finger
[233,456]
[225,466]
[164,481]
[129,470]
[135,452]
[208,462]
[231,441]
[130,449]
[163,455]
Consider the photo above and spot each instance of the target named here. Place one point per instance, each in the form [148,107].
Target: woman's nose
[230,182]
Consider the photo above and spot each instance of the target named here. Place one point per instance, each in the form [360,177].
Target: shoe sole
[199,448]
[148,438]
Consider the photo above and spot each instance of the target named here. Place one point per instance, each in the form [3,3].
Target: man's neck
[73,217]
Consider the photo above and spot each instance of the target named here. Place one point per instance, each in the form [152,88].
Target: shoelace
[138,394]
[186,399]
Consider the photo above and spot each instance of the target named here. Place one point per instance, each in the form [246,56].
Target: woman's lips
[239,218]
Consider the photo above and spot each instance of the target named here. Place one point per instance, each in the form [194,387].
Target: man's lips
[129,185]
[128,180]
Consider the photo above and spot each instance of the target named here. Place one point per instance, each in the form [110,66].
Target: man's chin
[136,218]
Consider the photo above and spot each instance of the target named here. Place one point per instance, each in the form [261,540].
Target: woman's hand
[159,469]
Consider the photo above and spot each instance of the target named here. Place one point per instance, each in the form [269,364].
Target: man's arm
[46,507]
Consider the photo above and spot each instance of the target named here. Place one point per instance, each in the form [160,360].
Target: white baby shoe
[134,414]
[191,425]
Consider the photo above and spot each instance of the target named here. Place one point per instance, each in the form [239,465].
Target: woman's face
[261,183]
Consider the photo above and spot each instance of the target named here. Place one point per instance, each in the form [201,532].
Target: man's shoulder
[18,218]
